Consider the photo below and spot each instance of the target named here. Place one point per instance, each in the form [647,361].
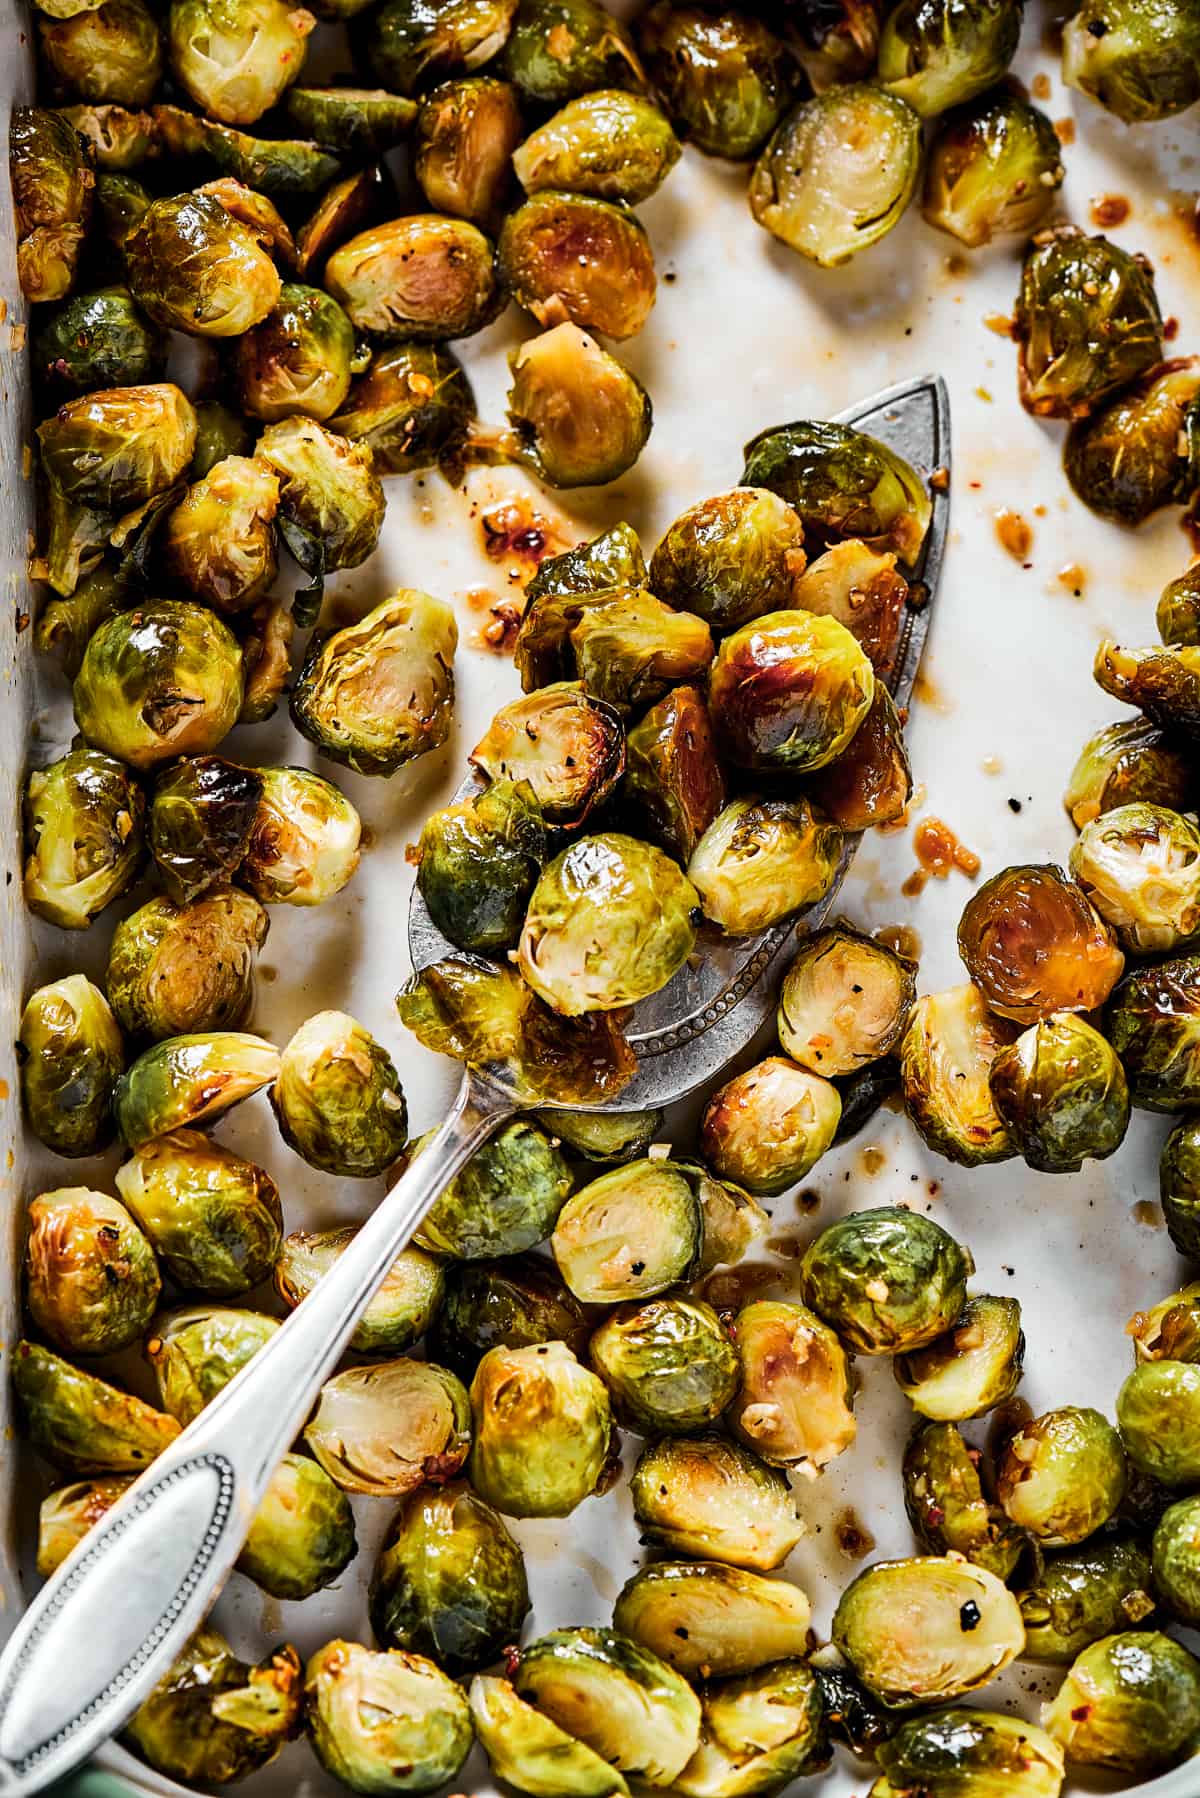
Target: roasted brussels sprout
[1130,1701]
[542,1430]
[975,1366]
[512,1303]
[1033,944]
[1134,455]
[927,1631]
[288,167]
[624,645]
[214,1219]
[946,1057]
[843,483]
[766,1128]
[759,1732]
[629,1234]
[1139,73]
[449,1580]
[1086,321]
[573,256]
[79,1422]
[70,1054]
[212,1718]
[304,840]
[388,1427]
[196,1353]
[853,1716]
[66,1515]
[864,590]
[52,184]
[413,404]
[466,132]
[1062,1475]
[118,448]
[412,41]
[402,1310]
[966,1751]
[581,416]
[201,813]
[993,170]
[705,1617]
[1163,683]
[236,62]
[299,359]
[1085,1594]
[83,836]
[110,53]
[331,504]
[838,172]
[761,859]
[1176,1564]
[673,781]
[947,1507]
[844,1001]
[384,1722]
[478,862]
[190,1079]
[1153,1023]
[707,1497]
[1170,1330]
[162,680]
[532,1753]
[940,53]
[1061,1093]
[795,1403]
[731,558]
[724,77]
[91,1281]
[364,122]
[613,144]
[219,433]
[1158,1414]
[559,48]
[194,267]
[338,1098]
[379,693]
[612,1693]
[302,1536]
[425,278]
[342,210]
[97,339]
[268,634]
[1177,614]
[1127,764]
[569,747]
[175,969]
[668,1365]
[888,1281]
[505,1200]
[613,559]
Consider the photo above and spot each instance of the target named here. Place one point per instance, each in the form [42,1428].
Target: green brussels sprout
[947,1507]
[120,204]
[1062,1476]
[176,969]
[193,267]
[767,1127]
[864,590]
[506,1199]
[759,1732]
[1034,944]
[838,172]
[542,1430]
[52,185]
[533,1754]
[387,1427]
[299,359]
[512,1303]
[75,539]
[724,78]
[560,48]
[1153,1023]
[1127,764]
[195,1354]
[1177,614]
[66,1515]
[617,1697]
[580,416]
[259,214]
[853,1716]
[83,836]
[379,693]
[363,122]
[844,1002]
[1163,683]
[342,209]
[413,404]
[731,558]
[1086,322]
[673,781]
[613,559]
[927,1631]
[946,1056]
[235,62]
[1158,1414]
[1084,1594]
[214,1219]
[91,1280]
[970,1370]
[212,1718]
[331,504]
[118,138]
[266,659]
[466,132]
[187,1080]
[424,278]
[1061,1093]
[1139,71]
[411,42]
[110,53]
[870,784]
[963,1751]
[96,339]
[219,433]
[888,1280]
[384,1721]
[668,1365]
[707,1497]
[79,1422]
[162,680]
[405,1306]
[705,1617]
[478,862]
[613,144]
[338,1098]
[843,483]
[303,844]
[567,745]
[1134,455]
[629,1234]
[625,645]
[449,1580]
[120,447]
[1130,1701]
[288,167]
[795,1403]
[1170,1330]
[993,170]
[609,923]
[201,813]
[761,859]
[579,256]
[1176,1563]
[302,1536]
[940,53]
[71,1054]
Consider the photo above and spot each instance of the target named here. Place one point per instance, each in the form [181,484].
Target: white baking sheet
[746,335]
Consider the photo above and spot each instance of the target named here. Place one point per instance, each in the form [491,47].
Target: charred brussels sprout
[946,1505]
[1135,455]
[299,359]
[79,1422]
[120,447]
[608,143]
[702,1616]
[70,1054]
[927,1631]
[302,1536]
[853,1716]
[616,1696]
[52,184]
[1158,1414]
[1129,1701]
[1153,1023]
[331,504]
[795,1404]
[66,1516]
[567,745]
[582,416]
[668,1365]
[630,1234]
[888,1281]
[761,859]
[946,1057]
[110,53]
[1086,321]
[574,254]
[975,1366]
[478,862]
[559,48]
[378,693]
[863,589]
[388,1427]
[940,53]
[424,278]
[1062,1475]
[412,41]
[212,1718]
[194,267]
[1176,1565]
[364,122]
[219,542]
[188,1080]
[304,839]
[201,813]
[673,781]
[413,403]
[1085,1594]
[725,78]
[542,1430]
[965,1751]
[767,1127]
[1033,944]
[844,1001]
[338,1098]
[91,1281]
[759,1733]
[707,1497]
[838,173]
[160,681]
[993,170]
[506,1199]
[384,1722]
[97,339]
[625,645]
[179,968]
[1127,764]
[235,62]
[731,558]
[214,1219]
[1170,1331]
[1136,68]
[449,1581]
[196,1353]
[83,836]
[514,1303]
[843,483]
[402,1310]
[1062,1094]
[532,1753]
[1163,683]
[465,135]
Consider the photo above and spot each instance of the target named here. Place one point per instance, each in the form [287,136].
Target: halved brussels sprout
[766,1128]
[993,169]
[705,1617]
[109,53]
[731,558]
[304,840]
[1153,1023]
[388,1427]
[118,448]
[96,339]
[1170,1330]
[411,41]
[219,433]
[465,135]
[947,1506]
[331,504]
[364,122]
[384,1722]
[927,1631]
[559,48]
[478,862]
[629,1234]
[613,559]
[424,278]
[853,1716]
[838,172]
[71,1054]
[212,1718]
[1134,455]
[733,1221]
[673,780]
[1086,320]
[870,784]
[759,1733]
[83,836]
[973,1368]
[724,77]
[257,212]
[302,1536]
[52,183]
[612,1693]
[511,1303]
[218,542]
[761,859]
[449,1581]
[405,1306]
[1158,1414]
[707,1497]
[1129,1701]
[413,404]
[201,813]
[196,1353]
[969,1752]
[504,1201]
[1033,944]
[269,632]
[299,359]
[214,1219]
[66,1515]
[669,1365]
[270,165]
[625,645]
[795,1404]
[342,210]
[1062,1094]
[1163,683]
[542,1430]
[1137,73]
[192,1079]
[581,416]
[940,53]
[91,1281]
[1127,764]
[843,483]
[863,589]
[788,692]
[1082,1595]
[1062,1476]
[946,1057]
[844,1002]
[177,969]
[236,62]
[1176,1563]
[567,256]
[79,1422]
[1177,614]
[613,144]
[568,746]
[338,1098]
[162,680]
[888,1280]
[194,267]
[379,693]
[530,1752]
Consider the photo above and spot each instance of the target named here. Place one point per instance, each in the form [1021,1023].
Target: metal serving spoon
[106,1627]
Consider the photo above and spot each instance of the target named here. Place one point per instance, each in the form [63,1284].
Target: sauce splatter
[1148,1214]
[732,1287]
[939,850]
[1073,578]
[1064,130]
[1014,533]
[852,1535]
[1040,87]
[872,1160]
[902,938]
[1109,210]
[498,632]
[514,532]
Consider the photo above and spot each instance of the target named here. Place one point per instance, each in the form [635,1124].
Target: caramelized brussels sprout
[613,144]
[927,1631]
[236,62]
[993,170]
[1130,1701]
[947,1507]
[257,212]
[201,813]
[1134,455]
[96,339]
[342,210]
[704,1617]
[387,1427]
[162,680]
[413,404]
[616,1696]
[582,417]
[405,1306]
[668,1365]
[975,1366]
[559,48]
[533,1754]
[83,836]
[761,859]
[1033,944]
[965,1751]
[219,433]
[1177,614]
[940,53]
[424,278]
[1062,1094]
[1153,1023]
[707,1497]
[838,172]
[843,483]
[795,1404]
[731,558]
[1139,71]
[304,839]
[1062,1475]
[629,1234]
[118,448]
[79,1422]
[1163,683]
[613,559]
[863,589]
[673,780]
[299,359]
[1129,763]
[888,1281]
[214,1219]
[66,1515]
[1084,1594]
[625,645]
[52,185]
[302,1536]
[844,1002]
[362,121]
[91,1281]
[767,1127]
[478,862]
[384,1722]
[193,267]
[512,1303]
[196,1353]
[759,1732]
[1158,1414]
[465,135]
[724,78]
[412,41]
[109,53]
[174,969]
[576,257]
[1176,1561]
[331,504]
[287,167]
[338,1098]
[212,1718]
[567,745]
[542,1430]
[1170,1330]
[449,1580]
[506,1199]
[71,1054]
[1086,322]
[946,1057]
[853,1716]
[187,1080]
